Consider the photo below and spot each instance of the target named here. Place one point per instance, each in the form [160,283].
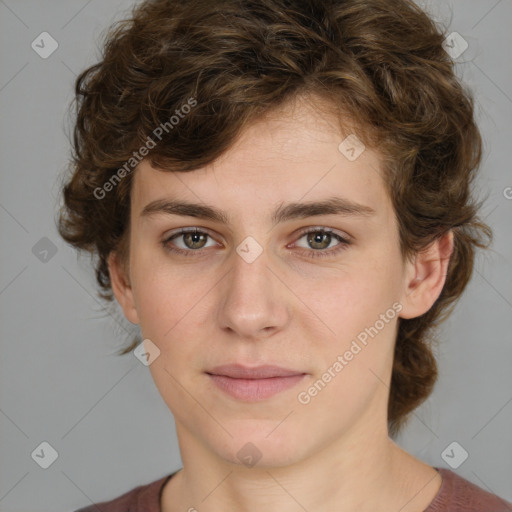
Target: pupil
[194,238]
[317,238]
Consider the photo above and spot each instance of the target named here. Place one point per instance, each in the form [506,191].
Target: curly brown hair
[380,62]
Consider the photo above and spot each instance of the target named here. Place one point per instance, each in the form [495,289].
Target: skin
[285,308]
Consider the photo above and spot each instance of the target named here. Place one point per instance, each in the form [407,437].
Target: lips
[254,384]
[237,371]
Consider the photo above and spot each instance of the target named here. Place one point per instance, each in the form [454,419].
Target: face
[274,280]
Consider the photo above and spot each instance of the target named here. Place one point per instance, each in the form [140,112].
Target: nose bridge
[253,302]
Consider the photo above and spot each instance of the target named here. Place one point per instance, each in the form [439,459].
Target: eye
[320,239]
[192,240]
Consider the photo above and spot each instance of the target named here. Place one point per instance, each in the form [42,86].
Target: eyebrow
[284,212]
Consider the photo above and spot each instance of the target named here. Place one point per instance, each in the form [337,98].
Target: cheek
[168,317]
[352,297]
[174,313]
[358,312]
[164,293]
[355,358]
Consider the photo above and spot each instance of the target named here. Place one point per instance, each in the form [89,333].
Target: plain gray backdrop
[61,382]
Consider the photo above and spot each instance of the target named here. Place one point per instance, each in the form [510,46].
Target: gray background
[61,381]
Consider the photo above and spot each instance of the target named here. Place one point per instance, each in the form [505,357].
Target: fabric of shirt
[456,494]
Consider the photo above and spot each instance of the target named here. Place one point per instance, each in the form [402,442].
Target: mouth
[254,384]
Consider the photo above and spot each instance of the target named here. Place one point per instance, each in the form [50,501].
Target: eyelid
[183,231]
[312,229]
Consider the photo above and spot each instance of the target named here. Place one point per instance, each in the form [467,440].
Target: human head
[210,70]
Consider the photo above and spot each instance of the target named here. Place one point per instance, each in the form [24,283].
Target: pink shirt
[456,494]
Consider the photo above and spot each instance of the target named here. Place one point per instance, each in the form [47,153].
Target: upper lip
[238,371]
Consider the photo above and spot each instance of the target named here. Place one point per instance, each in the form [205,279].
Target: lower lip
[253,390]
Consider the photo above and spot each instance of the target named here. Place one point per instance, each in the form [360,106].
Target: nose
[254,301]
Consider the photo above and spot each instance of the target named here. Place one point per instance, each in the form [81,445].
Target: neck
[365,471]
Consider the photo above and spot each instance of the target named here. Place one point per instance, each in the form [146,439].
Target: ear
[122,288]
[425,277]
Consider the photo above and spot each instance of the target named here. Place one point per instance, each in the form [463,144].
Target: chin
[254,447]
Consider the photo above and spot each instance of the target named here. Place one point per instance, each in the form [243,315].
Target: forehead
[299,153]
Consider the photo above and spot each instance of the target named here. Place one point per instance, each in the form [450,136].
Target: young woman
[278,194]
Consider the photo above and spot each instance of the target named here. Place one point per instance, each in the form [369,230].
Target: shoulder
[143,498]
[457,494]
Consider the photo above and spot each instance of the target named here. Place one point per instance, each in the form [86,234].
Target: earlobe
[425,276]
[122,289]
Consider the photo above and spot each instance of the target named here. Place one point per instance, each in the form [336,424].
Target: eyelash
[312,253]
